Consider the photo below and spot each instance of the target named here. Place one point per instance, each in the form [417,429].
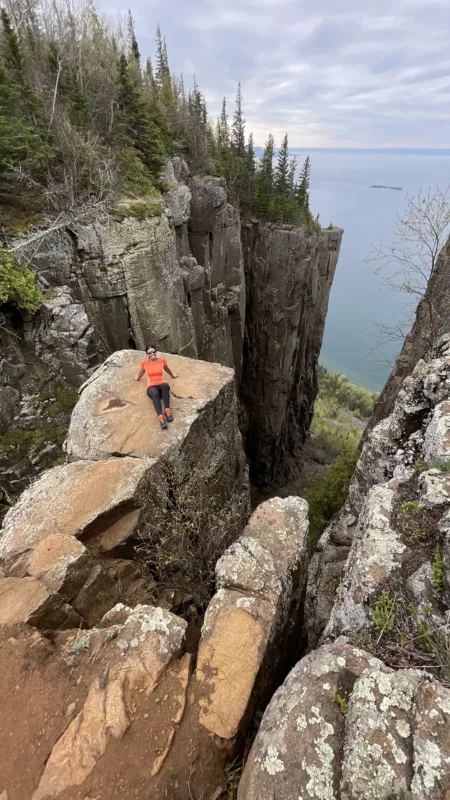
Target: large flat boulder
[115,417]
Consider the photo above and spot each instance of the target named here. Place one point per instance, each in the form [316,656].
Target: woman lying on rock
[157,388]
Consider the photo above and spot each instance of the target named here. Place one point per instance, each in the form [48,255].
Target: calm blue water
[340,192]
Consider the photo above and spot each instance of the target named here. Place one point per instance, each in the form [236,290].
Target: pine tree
[135,127]
[10,51]
[282,170]
[162,66]
[265,181]
[303,188]
[238,126]
[132,41]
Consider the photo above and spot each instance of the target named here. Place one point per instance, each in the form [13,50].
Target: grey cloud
[331,73]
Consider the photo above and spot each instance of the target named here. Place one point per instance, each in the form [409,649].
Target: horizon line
[424,150]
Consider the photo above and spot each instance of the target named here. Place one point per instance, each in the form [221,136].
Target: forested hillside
[84,118]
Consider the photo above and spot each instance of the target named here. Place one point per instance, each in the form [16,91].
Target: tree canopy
[84,116]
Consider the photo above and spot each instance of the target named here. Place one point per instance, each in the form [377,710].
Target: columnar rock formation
[288,275]
[171,272]
[168,273]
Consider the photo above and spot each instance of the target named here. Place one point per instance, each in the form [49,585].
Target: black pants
[156,392]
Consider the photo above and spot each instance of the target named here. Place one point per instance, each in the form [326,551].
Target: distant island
[379,186]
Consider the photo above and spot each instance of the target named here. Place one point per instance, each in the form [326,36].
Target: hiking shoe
[168,414]
[162,421]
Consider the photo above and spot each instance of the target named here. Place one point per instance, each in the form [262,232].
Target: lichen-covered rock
[434,488]
[260,580]
[398,448]
[377,753]
[63,336]
[345,726]
[375,554]
[325,571]
[436,446]
[289,274]
[298,749]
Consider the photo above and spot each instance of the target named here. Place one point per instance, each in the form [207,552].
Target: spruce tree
[282,170]
[265,181]
[238,126]
[135,126]
[303,188]
[132,41]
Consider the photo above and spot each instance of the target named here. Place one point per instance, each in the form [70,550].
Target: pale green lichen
[272,763]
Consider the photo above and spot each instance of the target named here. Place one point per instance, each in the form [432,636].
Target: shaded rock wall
[288,277]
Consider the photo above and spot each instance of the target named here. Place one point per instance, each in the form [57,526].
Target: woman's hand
[175,375]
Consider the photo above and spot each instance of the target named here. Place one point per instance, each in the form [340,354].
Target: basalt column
[288,275]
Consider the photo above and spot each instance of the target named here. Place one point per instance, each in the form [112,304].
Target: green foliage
[411,507]
[413,519]
[18,284]
[233,771]
[384,611]
[327,494]
[357,399]
[341,702]
[137,180]
[139,210]
[420,465]
[444,467]
[438,571]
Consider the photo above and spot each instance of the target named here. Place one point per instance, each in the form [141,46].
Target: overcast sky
[332,73]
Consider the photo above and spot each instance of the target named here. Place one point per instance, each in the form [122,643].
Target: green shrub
[137,178]
[327,494]
[420,465]
[18,284]
[438,571]
[141,209]
[411,507]
[384,611]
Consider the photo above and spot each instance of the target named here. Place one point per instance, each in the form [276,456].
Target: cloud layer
[332,73]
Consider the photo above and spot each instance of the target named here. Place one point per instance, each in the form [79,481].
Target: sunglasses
[151,352]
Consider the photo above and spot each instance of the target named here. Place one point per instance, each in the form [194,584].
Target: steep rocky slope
[367,713]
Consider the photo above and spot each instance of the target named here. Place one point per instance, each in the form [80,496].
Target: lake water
[340,193]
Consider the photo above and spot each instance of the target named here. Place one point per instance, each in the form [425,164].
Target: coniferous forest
[85,117]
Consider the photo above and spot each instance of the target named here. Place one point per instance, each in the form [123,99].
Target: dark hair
[150,346]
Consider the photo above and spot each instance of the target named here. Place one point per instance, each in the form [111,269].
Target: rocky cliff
[288,275]
[367,713]
[171,272]
[167,272]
